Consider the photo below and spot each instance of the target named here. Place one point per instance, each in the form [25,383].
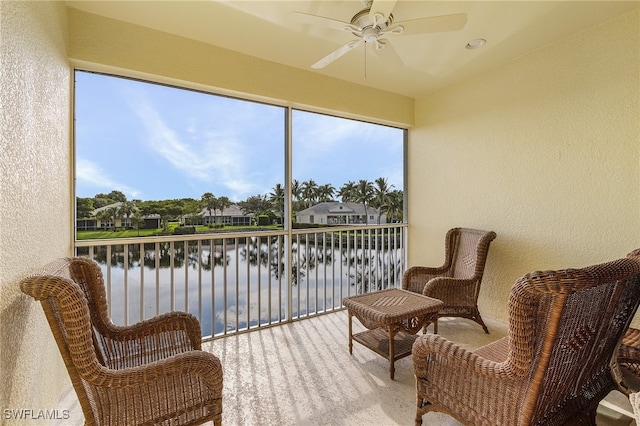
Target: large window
[154,159]
[279,201]
[151,157]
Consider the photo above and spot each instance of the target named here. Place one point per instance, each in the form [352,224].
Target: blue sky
[154,142]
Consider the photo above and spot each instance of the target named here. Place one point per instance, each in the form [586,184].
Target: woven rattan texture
[149,373]
[391,306]
[557,362]
[457,281]
[634,398]
[378,341]
[629,352]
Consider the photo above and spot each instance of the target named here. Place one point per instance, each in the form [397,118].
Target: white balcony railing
[234,282]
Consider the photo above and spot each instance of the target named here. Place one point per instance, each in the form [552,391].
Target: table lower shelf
[378,341]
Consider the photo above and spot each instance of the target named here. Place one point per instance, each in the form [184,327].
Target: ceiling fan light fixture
[476,43]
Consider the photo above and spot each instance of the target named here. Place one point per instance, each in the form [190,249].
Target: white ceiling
[266,29]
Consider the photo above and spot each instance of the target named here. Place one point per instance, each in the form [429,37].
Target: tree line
[377,194]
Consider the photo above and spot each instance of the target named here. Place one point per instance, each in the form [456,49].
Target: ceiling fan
[373,23]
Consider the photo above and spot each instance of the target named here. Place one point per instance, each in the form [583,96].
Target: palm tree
[222,203]
[208,201]
[103,216]
[126,209]
[347,192]
[381,194]
[277,199]
[296,190]
[296,195]
[309,192]
[395,205]
[108,215]
[137,220]
[325,192]
[364,195]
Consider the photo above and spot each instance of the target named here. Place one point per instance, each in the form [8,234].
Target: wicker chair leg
[420,411]
[477,318]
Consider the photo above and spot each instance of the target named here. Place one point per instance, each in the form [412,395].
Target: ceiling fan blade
[389,56]
[325,22]
[433,24]
[337,53]
[381,9]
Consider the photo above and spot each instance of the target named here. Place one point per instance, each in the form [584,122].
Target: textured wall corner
[35,192]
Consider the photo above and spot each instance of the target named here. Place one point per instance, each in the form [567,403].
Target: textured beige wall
[143,52]
[34,194]
[543,150]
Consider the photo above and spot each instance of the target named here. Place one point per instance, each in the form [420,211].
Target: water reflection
[235,283]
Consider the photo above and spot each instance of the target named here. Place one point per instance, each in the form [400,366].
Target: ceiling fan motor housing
[369,30]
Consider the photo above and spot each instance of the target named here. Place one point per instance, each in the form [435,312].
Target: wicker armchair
[556,364]
[152,372]
[629,352]
[457,281]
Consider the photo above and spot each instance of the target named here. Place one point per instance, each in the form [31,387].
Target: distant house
[232,215]
[86,224]
[151,221]
[336,213]
[120,222]
[92,222]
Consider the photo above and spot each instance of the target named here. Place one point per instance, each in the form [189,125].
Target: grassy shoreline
[135,233]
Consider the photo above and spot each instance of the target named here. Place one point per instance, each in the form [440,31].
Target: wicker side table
[392,317]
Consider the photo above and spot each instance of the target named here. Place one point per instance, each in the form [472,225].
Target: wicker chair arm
[429,346]
[450,289]
[416,277]
[203,364]
[171,322]
[454,380]
[426,271]
[442,282]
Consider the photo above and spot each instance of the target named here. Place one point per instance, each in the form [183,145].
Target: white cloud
[208,156]
[90,174]
[309,128]
[335,150]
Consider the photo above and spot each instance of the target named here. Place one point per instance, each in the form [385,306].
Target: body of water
[239,283]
